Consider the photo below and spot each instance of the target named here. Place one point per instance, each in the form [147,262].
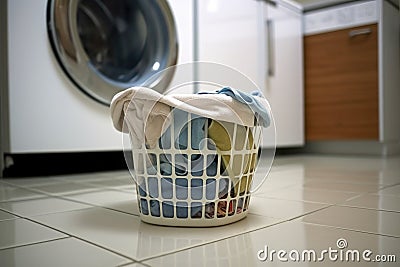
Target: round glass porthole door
[105,46]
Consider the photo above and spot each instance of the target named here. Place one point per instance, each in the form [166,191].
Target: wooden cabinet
[352,81]
[341,84]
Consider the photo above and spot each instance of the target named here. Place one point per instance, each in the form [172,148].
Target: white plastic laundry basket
[213,188]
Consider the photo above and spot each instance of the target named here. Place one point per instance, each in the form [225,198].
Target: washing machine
[63,60]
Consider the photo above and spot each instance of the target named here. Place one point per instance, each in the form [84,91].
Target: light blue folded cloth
[250,100]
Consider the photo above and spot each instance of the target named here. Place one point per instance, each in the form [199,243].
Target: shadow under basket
[201,185]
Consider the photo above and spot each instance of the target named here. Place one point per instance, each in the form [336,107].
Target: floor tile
[310,195]
[282,162]
[128,189]
[122,201]
[21,232]
[243,250]
[277,180]
[64,188]
[389,177]
[93,176]
[112,183]
[41,206]
[10,193]
[366,220]
[351,197]
[279,208]
[342,187]
[348,176]
[34,181]
[128,235]
[6,216]
[375,201]
[390,191]
[346,163]
[117,174]
[64,252]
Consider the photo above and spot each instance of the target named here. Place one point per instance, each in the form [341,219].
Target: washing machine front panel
[47,113]
[107,46]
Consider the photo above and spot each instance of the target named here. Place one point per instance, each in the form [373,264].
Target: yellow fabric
[222,135]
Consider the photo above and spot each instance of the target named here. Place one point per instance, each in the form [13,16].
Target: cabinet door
[252,36]
[341,84]
[283,76]
[228,34]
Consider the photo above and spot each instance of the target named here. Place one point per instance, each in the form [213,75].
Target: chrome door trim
[70,53]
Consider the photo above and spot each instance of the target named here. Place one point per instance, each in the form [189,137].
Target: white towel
[146,111]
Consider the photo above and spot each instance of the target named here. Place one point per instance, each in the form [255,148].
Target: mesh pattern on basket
[207,185]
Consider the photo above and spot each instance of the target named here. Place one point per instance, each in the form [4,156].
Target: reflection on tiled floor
[308,203]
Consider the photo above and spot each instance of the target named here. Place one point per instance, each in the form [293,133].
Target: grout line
[90,183]
[243,233]
[65,197]
[22,200]
[120,211]
[35,243]
[343,204]
[42,224]
[311,212]
[9,212]
[368,208]
[84,191]
[342,191]
[279,221]
[320,180]
[293,200]
[81,239]
[213,241]
[83,180]
[45,195]
[307,201]
[48,213]
[59,182]
[65,233]
[353,230]
[94,205]
[138,262]
[338,204]
[365,208]
[387,186]
[271,225]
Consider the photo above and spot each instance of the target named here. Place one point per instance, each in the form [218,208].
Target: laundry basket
[206,183]
[193,176]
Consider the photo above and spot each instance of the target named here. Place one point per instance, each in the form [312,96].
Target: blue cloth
[250,100]
[180,128]
[181,133]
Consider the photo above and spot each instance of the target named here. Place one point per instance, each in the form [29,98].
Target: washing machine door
[105,46]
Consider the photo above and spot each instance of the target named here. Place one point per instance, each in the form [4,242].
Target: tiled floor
[307,204]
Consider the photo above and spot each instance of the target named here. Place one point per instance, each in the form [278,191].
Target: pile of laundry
[215,122]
